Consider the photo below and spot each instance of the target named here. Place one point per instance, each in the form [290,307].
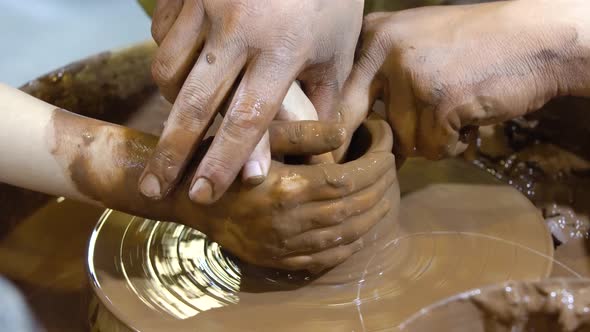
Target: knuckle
[318,242]
[162,72]
[163,157]
[217,167]
[193,102]
[289,187]
[296,132]
[339,210]
[342,182]
[364,202]
[284,229]
[381,40]
[189,115]
[187,119]
[242,118]
[288,40]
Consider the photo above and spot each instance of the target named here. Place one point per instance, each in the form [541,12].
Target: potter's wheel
[459,229]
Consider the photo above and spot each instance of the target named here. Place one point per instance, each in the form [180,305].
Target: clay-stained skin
[385,270]
[443,69]
[433,249]
[108,86]
[78,143]
[259,46]
[105,161]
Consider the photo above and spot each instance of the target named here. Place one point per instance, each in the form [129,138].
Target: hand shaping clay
[457,229]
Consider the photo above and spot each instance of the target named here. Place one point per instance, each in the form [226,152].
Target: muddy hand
[206,46]
[314,213]
[308,216]
[443,71]
[295,107]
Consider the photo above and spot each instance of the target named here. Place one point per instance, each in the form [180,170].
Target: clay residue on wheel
[108,86]
[545,162]
[548,306]
[555,305]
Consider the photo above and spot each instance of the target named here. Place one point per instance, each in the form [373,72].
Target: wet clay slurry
[176,280]
[556,305]
[423,276]
[155,274]
[377,288]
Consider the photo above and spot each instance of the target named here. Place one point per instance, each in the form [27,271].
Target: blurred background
[38,36]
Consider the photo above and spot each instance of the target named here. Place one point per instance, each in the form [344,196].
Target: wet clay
[171,254]
[176,279]
[162,276]
[43,239]
[545,170]
[573,255]
[556,305]
[105,161]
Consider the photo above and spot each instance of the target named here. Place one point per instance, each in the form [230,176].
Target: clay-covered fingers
[295,107]
[318,262]
[333,181]
[192,113]
[255,104]
[359,94]
[328,224]
[324,214]
[179,46]
[305,137]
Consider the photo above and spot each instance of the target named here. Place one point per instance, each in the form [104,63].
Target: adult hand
[265,45]
[443,71]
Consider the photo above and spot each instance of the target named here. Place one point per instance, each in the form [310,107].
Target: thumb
[358,96]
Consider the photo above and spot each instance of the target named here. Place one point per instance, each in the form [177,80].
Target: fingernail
[252,173]
[201,192]
[150,186]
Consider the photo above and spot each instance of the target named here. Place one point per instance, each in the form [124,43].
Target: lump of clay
[552,305]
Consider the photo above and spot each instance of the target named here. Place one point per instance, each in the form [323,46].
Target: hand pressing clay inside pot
[150,275]
[457,229]
[101,163]
[555,305]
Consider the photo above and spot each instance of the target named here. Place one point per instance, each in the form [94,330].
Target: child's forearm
[56,152]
